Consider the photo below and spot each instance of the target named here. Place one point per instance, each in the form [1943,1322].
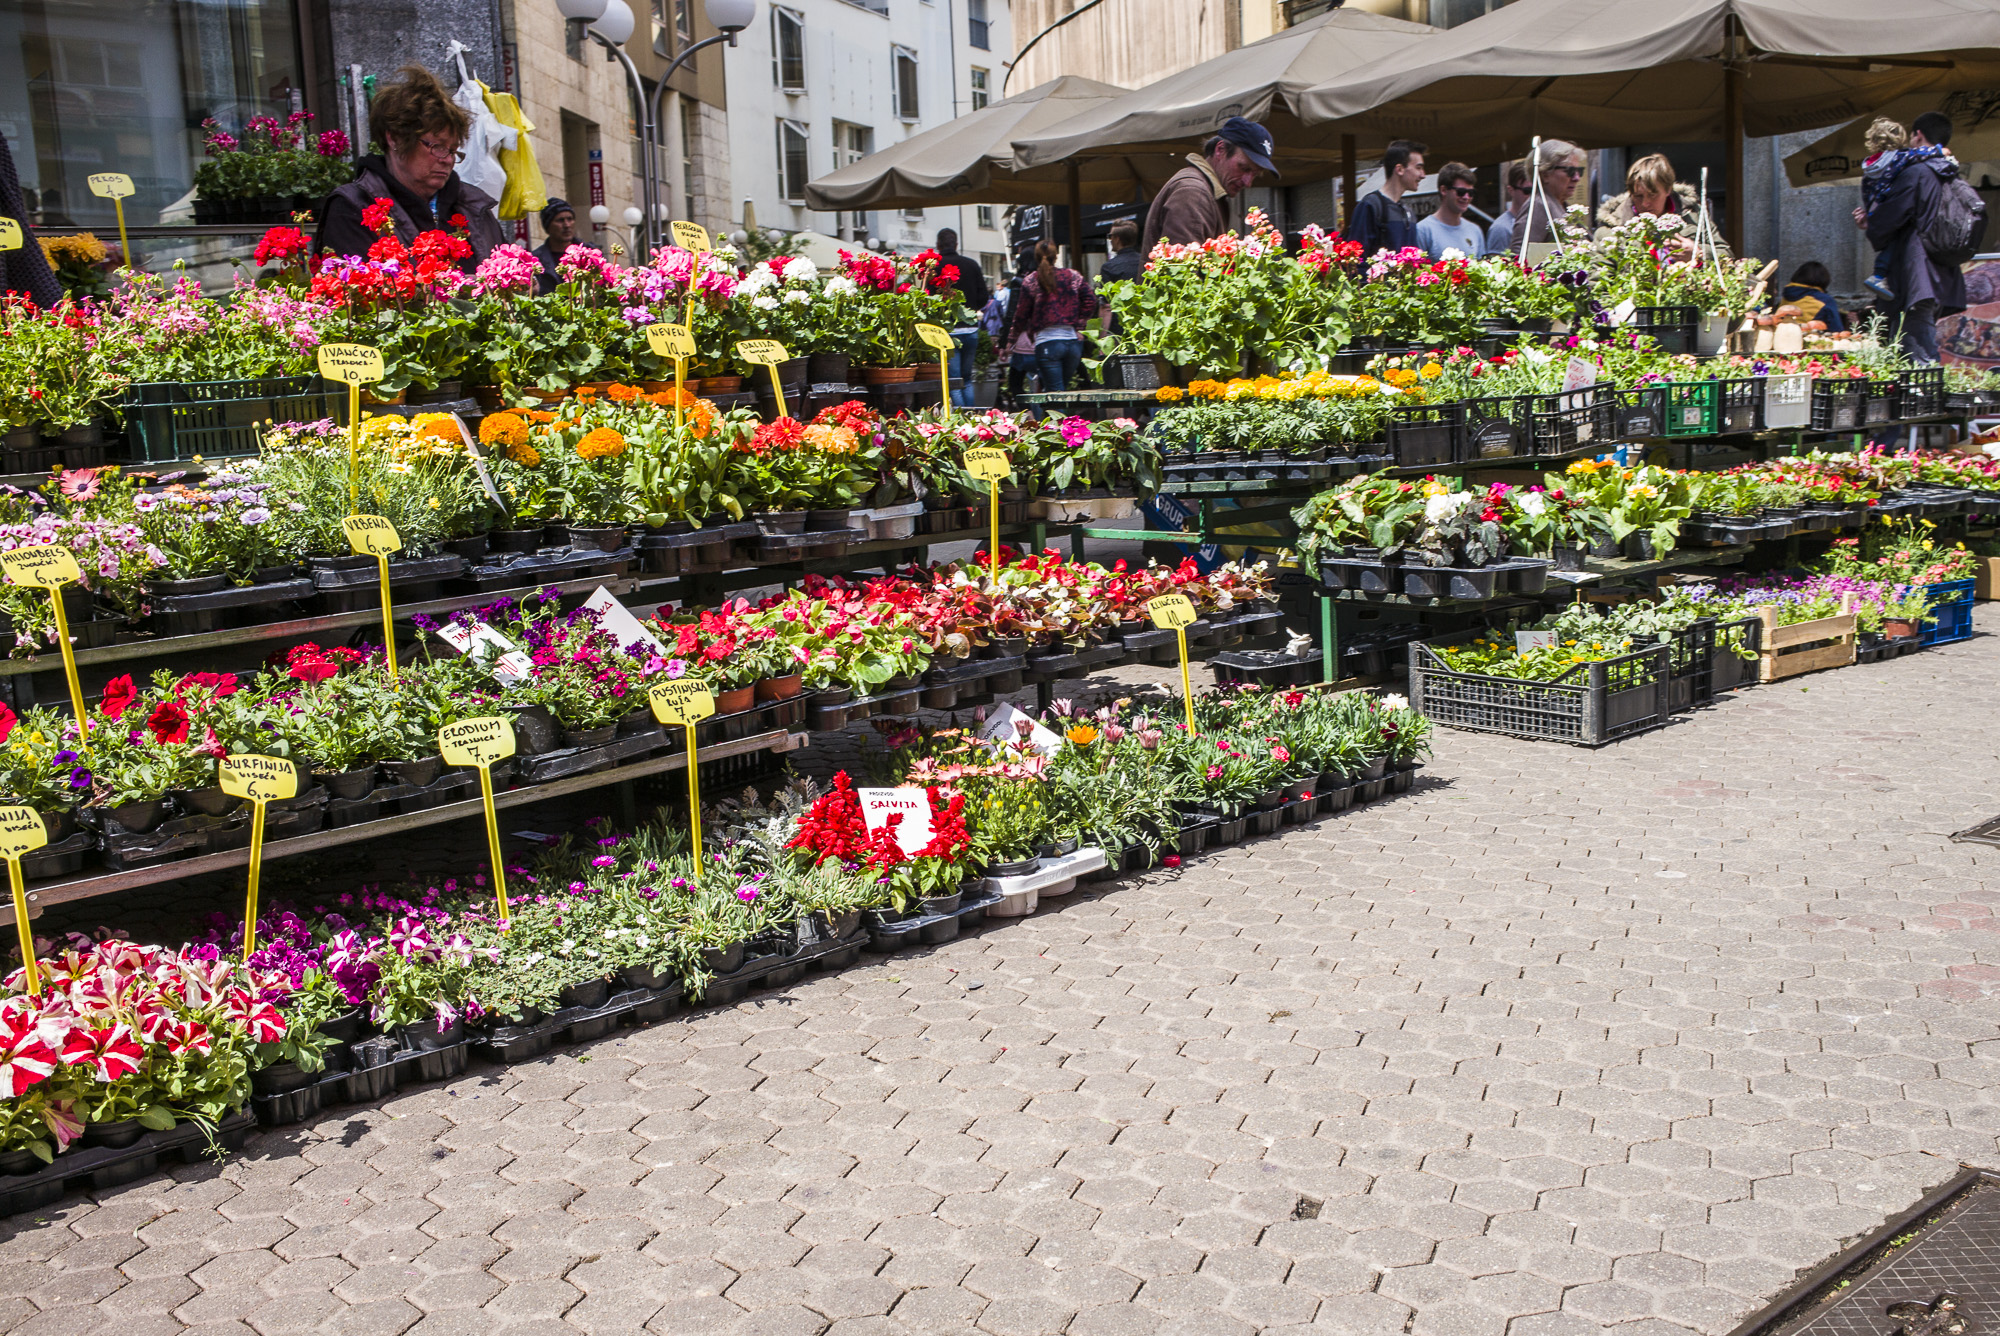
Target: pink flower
[507,269]
[110,1053]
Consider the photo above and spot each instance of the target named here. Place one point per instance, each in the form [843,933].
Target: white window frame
[790,191]
[781,18]
[897,55]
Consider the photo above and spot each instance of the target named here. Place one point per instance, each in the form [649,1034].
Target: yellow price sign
[682,700]
[260,779]
[351,363]
[987,464]
[111,185]
[479,743]
[22,832]
[46,566]
[10,234]
[1171,612]
[690,236]
[762,352]
[936,336]
[371,535]
[670,341]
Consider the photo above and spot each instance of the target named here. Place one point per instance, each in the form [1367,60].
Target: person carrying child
[1888,145]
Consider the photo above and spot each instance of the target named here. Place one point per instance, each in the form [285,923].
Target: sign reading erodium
[477,742]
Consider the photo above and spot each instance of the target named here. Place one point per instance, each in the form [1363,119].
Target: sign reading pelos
[42,566]
[683,700]
[1171,612]
[936,336]
[261,779]
[477,742]
[670,341]
[351,363]
[371,535]
[21,831]
[987,464]
[111,185]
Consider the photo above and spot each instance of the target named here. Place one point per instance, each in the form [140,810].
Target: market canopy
[1975,139]
[1261,81]
[970,160]
[1603,73]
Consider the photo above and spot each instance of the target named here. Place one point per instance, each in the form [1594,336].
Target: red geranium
[379,216]
[281,244]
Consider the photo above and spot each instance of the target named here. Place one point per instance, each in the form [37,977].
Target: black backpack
[1957,227]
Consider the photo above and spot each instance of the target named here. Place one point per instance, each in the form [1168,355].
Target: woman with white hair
[1560,165]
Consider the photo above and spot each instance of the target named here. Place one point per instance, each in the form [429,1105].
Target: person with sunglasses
[1449,228]
[1559,167]
[420,128]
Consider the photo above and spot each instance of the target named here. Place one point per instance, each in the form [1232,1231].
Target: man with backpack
[1931,222]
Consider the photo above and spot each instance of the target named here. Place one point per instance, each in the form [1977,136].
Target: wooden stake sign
[691,237]
[10,234]
[258,780]
[677,342]
[22,832]
[353,365]
[1175,612]
[46,566]
[940,339]
[479,743]
[990,466]
[373,536]
[767,353]
[116,187]
[686,701]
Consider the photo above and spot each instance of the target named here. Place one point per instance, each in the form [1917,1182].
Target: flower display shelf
[348,584]
[1837,403]
[1365,578]
[1591,705]
[698,549]
[1265,667]
[534,569]
[1083,509]
[1879,649]
[890,523]
[1804,647]
[192,614]
[194,833]
[1013,897]
[93,883]
[787,546]
[96,1168]
[1228,468]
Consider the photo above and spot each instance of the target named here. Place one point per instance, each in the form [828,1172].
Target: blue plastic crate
[1951,605]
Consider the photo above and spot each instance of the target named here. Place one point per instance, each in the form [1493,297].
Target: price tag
[1171,612]
[690,236]
[681,700]
[479,743]
[1622,313]
[762,352]
[987,464]
[936,336]
[940,339]
[46,566]
[1001,727]
[670,341]
[10,234]
[350,363]
[22,832]
[371,535]
[1528,640]
[260,779]
[111,185]
[912,804]
[1579,375]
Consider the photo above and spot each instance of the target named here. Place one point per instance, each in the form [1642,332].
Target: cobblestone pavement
[1564,1041]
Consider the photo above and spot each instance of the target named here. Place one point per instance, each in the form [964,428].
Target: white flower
[801,270]
[1452,253]
[1534,503]
[1394,702]
[765,303]
[840,285]
[757,280]
[1438,508]
[798,297]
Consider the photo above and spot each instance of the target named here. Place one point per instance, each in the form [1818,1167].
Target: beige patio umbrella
[1609,72]
[970,160]
[1975,139]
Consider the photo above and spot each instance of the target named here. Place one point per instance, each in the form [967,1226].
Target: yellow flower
[502,429]
[1431,371]
[525,455]
[601,443]
[1082,735]
[1168,394]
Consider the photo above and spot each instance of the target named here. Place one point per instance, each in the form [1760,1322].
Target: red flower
[24,1059]
[119,693]
[7,721]
[168,722]
[378,216]
[110,1053]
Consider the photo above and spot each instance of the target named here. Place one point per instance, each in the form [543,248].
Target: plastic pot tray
[98,1167]
[443,566]
[1012,897]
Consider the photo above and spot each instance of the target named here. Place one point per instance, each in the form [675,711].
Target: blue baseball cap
[1252,138]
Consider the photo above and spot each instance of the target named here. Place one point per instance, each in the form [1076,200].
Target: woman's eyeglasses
[443,152]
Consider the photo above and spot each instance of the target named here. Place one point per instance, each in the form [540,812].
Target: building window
[684,22]
[851,143]
[792,161]
[981,93]
[980,36]
[985,215]
[788,50]
[905,62]
[689,110]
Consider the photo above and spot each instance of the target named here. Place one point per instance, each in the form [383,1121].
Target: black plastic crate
[1592,704]
[1639,413]
[1426,435]
[1496,427]
[177,420]
[1739,404]
[1923,392]
[1837,403]
[1561,423]
[1672,328]
[1884,402]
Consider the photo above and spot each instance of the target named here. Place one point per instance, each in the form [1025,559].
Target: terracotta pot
[546,396]
[735,700]
[722,384]
[1898,629]
[780,688]
[657,386]
[888,375]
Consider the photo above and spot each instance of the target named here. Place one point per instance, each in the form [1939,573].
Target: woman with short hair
[1559,165]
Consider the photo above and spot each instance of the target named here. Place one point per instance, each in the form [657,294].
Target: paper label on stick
[762,352]
[681,700]
[616,618]
[111,185]
[477,742]
[42,566]
[987,464]
[1579,375]
[351,363]
[21,831]
[913,805]
[936,336]
[1622,313]
[1527,640]
[10,234]
[371,535]
[670,341]
[258,778]
[690,236]
[1171,612]
[508,662]
[1002,726]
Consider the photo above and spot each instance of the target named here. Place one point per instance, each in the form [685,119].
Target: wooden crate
[1831,640]
[1988,576]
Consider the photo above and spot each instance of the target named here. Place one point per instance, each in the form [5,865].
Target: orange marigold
[831,438]
[623,394]
[601,443]
[539,415]
[525,454]
[502,429]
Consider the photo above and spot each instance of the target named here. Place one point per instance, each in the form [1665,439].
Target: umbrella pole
[1346,180]
[1732,152]
[1075,217]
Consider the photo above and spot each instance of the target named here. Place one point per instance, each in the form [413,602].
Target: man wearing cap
[559,226]
[1188,209]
